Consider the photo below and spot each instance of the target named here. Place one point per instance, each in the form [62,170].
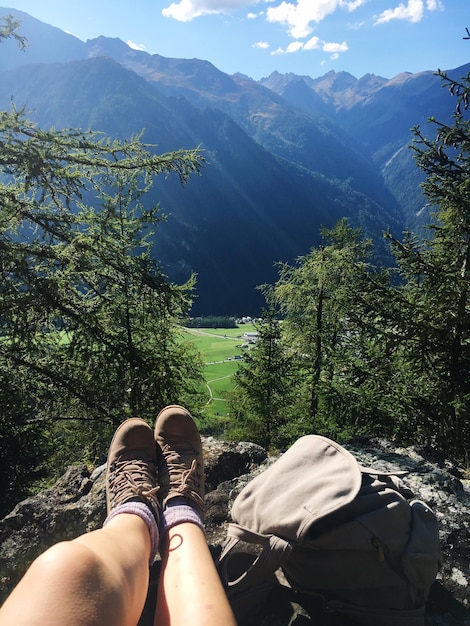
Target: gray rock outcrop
[76,504]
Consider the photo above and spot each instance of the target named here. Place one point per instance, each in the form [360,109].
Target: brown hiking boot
[132,472]
[182,467]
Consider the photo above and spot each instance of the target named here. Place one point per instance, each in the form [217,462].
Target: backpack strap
[274,552]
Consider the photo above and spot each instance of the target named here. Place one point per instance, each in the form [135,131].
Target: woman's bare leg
[100,578]
[189,591]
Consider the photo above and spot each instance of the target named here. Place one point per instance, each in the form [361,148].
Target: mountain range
[287,155]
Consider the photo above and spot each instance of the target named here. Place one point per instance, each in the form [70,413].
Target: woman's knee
[67,584]
[67,561]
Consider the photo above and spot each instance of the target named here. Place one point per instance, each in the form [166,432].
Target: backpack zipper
[379,547]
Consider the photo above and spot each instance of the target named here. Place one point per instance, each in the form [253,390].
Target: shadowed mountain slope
[286,155]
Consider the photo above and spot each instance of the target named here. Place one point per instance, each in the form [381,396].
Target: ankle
[143,511]
[178,511]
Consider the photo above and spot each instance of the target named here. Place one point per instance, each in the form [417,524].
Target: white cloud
[314,43]
[294,47]
[434,5]
[253,16]
[412,12]
[352,5]
[299,15]
[187,10]
[263,45]
[355,25]
[136,46]
[335,47]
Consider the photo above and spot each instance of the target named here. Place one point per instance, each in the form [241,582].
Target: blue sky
[257,37]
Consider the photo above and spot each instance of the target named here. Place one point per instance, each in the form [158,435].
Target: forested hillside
[348,348]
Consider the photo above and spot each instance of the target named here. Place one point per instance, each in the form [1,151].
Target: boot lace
[184,481]
[131,478]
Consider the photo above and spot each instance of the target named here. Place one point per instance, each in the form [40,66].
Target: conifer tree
[265,384]
[434,319]
[317,298]
[88,321]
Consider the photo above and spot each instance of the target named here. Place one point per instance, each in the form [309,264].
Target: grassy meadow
[221,351]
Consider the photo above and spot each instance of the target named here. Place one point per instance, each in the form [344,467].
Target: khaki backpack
[329,528]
